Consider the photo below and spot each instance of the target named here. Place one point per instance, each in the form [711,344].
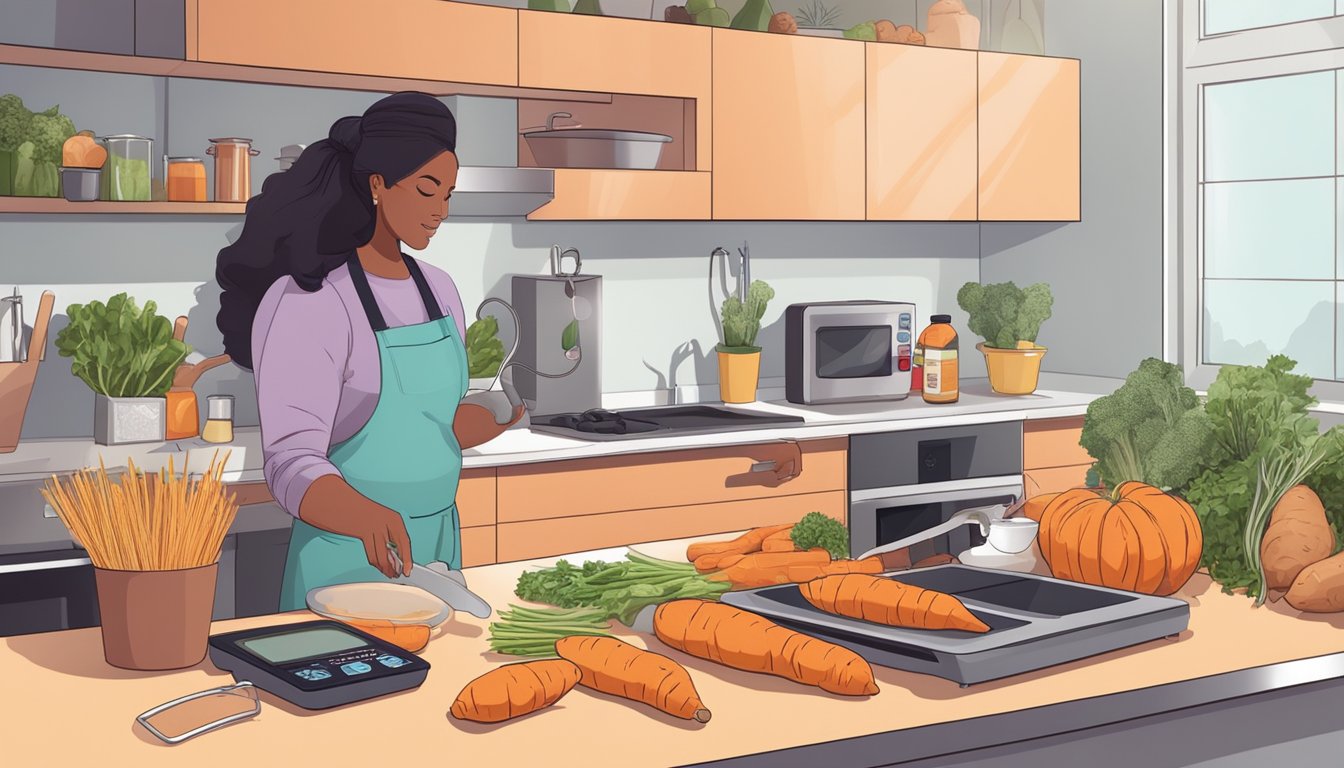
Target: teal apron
[406,457]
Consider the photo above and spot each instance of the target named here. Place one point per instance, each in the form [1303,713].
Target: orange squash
[1136,538]
[1033,507]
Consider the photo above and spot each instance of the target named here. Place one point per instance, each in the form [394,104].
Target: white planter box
[121,420]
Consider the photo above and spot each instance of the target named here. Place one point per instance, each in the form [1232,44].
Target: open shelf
[61,205]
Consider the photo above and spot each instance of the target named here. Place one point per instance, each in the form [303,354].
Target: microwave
[848,351]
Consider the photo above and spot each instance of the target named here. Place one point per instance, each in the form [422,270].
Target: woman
[356,348]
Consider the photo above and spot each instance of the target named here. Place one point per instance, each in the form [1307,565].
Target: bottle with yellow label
[937,348]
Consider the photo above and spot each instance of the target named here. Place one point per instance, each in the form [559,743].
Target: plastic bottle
[937,351]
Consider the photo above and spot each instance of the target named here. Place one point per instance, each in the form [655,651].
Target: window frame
[1194,61]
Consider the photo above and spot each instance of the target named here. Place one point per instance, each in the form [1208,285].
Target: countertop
[38,459]
[76,706]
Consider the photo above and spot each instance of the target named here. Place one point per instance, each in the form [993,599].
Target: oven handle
[45,565]
[953,490]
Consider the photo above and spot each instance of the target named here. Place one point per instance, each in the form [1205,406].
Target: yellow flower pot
[1013,371]
[739,373]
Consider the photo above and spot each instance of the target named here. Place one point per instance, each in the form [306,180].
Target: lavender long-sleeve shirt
[317,371]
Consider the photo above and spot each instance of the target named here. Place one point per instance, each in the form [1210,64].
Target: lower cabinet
[1052,458]
[476,516]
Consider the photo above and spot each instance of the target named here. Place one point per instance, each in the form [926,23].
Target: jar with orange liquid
[937,348]
[186,179]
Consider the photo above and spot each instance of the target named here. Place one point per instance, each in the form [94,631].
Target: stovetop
[601,424]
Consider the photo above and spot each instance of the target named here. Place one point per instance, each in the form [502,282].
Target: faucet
[744,253]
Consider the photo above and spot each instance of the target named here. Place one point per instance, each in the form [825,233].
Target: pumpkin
[1136,538]
[1034,506]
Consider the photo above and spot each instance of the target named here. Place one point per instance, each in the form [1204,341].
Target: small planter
[739,373]
[1012,371]
[121,420]
[154,620]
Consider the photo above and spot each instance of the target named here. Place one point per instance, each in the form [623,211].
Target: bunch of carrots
[768,556]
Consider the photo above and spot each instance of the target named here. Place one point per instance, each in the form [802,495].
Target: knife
[449,586]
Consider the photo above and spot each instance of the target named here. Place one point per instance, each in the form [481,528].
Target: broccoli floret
[14,121]
[48,132]
[864,31]
[1152,429]
[1003,314]
[818,530]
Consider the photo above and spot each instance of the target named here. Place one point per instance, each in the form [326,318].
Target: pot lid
[125,137]
[230,140]
[185,160]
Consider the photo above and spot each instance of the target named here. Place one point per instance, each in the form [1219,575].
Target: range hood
[484,190]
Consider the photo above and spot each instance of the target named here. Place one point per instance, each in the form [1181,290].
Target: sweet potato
[1319,588]
[1298,535]
[620,669]
[514,690]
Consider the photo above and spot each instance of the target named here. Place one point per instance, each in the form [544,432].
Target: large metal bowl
[593,148]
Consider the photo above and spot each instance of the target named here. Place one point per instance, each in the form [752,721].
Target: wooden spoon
[187,374]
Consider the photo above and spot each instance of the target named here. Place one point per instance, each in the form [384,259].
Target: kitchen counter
[74,705]
[38,459]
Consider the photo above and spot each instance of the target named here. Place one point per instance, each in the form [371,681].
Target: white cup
[1012,535]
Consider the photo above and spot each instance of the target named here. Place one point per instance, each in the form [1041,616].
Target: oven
[848,351]
[46,581]
[902,483]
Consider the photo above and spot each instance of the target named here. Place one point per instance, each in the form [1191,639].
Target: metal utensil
[11,329]
[981,515]
[448,585]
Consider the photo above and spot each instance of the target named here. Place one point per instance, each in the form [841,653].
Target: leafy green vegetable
[591,7]
[1003,314]
[741,322]
[48,132]
[1151,429]
[485,352]
[620,589]
[561,6]
[755,15]
[818,530]
[120,350]
[36,141]
[14,121]
[863,31]
[713,17]
[533,631]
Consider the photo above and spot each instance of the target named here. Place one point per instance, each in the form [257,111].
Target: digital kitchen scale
[1035,622]
[317,664]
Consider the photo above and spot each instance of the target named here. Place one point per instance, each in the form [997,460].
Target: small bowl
[1012,535]
[80,185]
[398,613]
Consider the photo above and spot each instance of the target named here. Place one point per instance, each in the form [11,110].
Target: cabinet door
[1030,136]
[601,194]
[607,55]
[1053,443]
[426,39]
[921,134]
[788,127]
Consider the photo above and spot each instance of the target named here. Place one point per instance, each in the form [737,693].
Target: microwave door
[852,357]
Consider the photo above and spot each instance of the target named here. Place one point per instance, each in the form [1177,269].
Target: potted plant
[739,357]
[127,356]
[1008,319]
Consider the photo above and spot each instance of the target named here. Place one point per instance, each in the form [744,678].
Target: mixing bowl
[398,613]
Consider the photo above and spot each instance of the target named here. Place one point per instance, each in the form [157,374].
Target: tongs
[981,515]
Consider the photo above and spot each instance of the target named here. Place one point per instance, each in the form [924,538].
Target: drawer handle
[786,464]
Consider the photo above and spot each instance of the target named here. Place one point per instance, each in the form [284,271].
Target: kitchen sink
[660,421]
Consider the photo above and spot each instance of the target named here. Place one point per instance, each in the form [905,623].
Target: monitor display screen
[283,647]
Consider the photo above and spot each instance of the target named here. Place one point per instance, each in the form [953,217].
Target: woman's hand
[332,505]
[475,424]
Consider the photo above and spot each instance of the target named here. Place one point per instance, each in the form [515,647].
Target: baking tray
[1035,622]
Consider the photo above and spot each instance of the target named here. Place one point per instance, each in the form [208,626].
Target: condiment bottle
[219,419]
[937,350]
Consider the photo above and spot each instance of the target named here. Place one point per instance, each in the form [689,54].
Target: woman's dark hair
[309,219]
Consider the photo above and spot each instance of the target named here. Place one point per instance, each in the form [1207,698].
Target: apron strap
[371,310]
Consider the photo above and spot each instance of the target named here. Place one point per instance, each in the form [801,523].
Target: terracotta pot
[1012,371]
[156,619]
[739,373]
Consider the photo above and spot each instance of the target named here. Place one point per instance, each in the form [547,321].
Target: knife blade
[450,587]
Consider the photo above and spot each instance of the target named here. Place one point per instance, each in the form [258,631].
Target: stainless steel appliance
[558,365]
[905,483]
[848,351]
[554,147]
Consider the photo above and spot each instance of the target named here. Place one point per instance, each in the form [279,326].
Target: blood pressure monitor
[317,664]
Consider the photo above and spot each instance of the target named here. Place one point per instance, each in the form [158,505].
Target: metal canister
[233,168]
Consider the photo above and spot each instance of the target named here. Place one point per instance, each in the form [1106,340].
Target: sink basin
[594,148]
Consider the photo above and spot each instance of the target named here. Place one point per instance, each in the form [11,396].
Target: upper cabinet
[921,133]
[788,127]
[422,39]
[1030,138]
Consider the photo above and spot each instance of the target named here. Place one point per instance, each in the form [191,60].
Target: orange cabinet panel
[563,535]
[921,133]
[660,479]
[478,546]
[612,194]
[1053,443]
[476,498]
[788,127]
[609,55]
[1055,479]
[426,39]
[1030,137]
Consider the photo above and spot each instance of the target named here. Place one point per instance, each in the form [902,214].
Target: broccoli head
[1152,429]
[14,121]
[48,132]
[1003,314]
[818,530]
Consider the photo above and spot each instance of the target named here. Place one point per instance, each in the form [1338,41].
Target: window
[1261,183]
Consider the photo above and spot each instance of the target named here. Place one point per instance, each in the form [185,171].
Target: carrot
[515,689]
[620,669]
[412,637]
[743,640]
[743,545]
[886,601]
[781,541]
[763,569]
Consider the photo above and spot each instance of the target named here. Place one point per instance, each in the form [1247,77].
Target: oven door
[47,591]
[880,516]
[856,356]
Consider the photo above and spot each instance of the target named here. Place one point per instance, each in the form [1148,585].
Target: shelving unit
[61,205]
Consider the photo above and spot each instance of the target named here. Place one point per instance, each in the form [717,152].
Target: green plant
[561,6]
[866,31]
[14,121]
[818,530]
[621,589]
[818,15]
[1152,429]
[485,352]
[741,322]
[119,349]
[755,15]
[1003,314]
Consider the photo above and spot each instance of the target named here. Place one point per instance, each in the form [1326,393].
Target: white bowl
[1012,535]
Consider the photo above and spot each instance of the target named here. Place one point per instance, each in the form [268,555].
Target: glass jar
[219,419]
[186,179]
[126,176]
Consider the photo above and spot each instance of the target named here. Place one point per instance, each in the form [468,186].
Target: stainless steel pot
[594,148]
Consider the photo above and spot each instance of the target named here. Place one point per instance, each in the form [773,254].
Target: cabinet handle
[787,465]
